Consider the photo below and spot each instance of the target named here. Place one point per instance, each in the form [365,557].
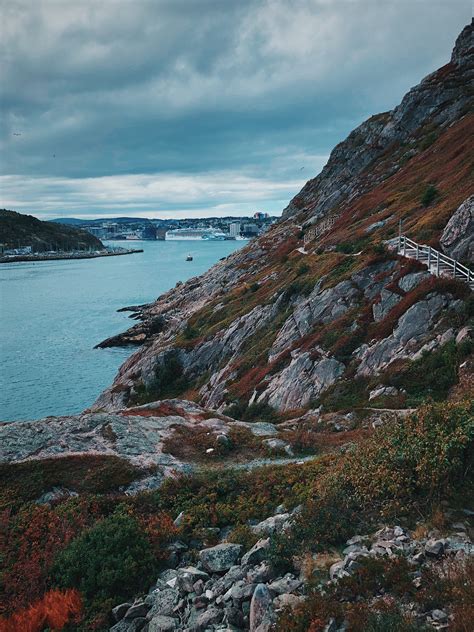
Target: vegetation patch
[22,482]
[169,381]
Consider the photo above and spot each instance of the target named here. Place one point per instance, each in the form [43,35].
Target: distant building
[96,231]
[234,229]
[250,229]
[260,215]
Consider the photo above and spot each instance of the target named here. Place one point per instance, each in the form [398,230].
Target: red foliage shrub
[160,530]
[54,610]
[32,539]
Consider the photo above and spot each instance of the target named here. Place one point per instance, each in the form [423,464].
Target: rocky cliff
[318,311]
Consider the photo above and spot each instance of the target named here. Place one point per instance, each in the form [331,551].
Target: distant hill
[17,230]
[73,221]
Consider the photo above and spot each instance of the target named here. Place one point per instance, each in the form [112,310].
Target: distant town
[212,228]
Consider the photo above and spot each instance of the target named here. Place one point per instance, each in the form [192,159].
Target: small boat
[189,258]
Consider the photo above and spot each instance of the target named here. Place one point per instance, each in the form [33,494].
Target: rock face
[457,239]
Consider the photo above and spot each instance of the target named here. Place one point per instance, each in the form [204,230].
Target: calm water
[52,313]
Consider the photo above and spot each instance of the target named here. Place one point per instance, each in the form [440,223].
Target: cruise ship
[195,233]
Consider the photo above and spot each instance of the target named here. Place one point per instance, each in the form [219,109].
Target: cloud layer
[166,106]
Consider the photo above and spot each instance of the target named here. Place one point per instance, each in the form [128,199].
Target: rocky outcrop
[457,239]
[407,337]
[225,594]
[300,382]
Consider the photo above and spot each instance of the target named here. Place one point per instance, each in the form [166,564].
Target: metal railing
[438,263]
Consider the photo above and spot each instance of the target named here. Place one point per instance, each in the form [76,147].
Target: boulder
[137,610]
[457,239]
[261,608]
[273,524]
[221,557]
[257,553]
[207,618]
[434,548]
[119,611]
[161,623]
[287,584]
[163,602]
[133,625]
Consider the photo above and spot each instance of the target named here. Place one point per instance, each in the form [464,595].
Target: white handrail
[441,263]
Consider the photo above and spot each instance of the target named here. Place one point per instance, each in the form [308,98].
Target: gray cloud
[198,91]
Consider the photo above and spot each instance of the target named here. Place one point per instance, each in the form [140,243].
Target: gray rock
[178,521]
[388,300]
[220,558]
[383,391]
[164,602]
[134,625]
[261,607]
[209,617]
[457,239]
[161,623]
[273,524]
[439,615]
[464,334]
[234,616]
[137,610]
[261,574]
[257,553]
[411,280]
[302,380]
[434,548]
[119,611]
[287,584]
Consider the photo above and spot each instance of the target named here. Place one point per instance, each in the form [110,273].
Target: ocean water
[52,313]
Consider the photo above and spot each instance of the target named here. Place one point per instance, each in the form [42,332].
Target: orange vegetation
[54,610]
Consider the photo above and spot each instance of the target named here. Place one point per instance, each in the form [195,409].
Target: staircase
[436,262]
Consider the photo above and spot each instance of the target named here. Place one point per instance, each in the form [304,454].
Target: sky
[182,108]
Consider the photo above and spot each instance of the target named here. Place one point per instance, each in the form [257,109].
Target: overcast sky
[173,108]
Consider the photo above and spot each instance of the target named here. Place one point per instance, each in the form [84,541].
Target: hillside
[291,319]
[18,230]
[291,446]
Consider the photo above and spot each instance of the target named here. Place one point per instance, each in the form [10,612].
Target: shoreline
[63,256]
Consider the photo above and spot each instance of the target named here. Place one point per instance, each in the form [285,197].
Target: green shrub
[111,560]
[255,412]
[431,192]
[303,269]
[432,375]
[169,380]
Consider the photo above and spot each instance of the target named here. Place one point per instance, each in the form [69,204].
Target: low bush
[430,193]
[431,376]
[113,560]
[169,381]
[255,412]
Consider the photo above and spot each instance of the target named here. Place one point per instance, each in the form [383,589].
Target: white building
[234,229]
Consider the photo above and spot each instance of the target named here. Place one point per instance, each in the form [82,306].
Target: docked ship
[207,234]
